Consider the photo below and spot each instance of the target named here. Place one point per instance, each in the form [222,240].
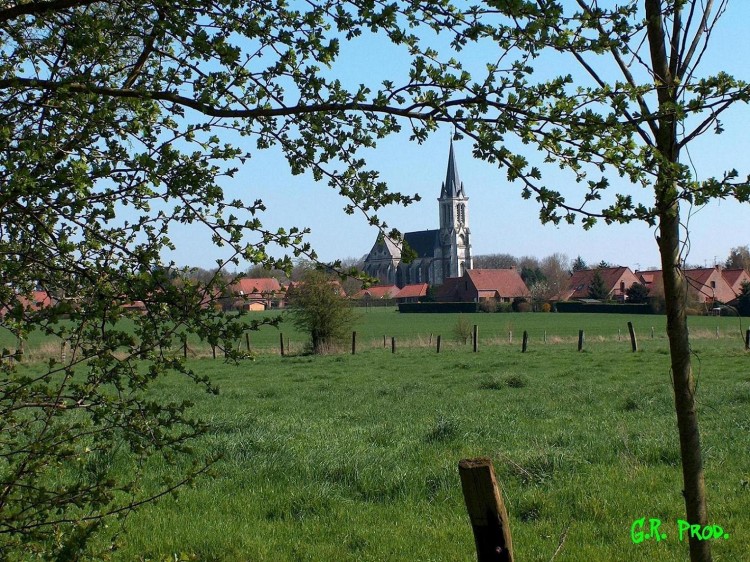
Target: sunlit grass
[355,457]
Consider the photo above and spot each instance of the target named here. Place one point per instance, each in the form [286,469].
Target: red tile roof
[699,280]
[377,292]
[581,280]
[735,278]
[505,282]
[411,291]
[248,286]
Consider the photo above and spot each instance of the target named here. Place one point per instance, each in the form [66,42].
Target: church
[437,254]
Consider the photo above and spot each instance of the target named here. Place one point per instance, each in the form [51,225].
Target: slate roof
[423,242]
[452,187]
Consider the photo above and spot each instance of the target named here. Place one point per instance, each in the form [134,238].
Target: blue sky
[500,220]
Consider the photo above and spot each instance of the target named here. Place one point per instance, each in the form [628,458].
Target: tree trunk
[667,155]
[675,293]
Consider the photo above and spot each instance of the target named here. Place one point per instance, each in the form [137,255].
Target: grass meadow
[354,457]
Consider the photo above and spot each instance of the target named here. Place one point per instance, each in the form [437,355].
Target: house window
[713,284]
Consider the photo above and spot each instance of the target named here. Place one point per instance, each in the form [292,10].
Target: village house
[376,292]
[256,293]
[37,300]
[617,280]
[735,278]
[412,293]
[476,285]
[707,285]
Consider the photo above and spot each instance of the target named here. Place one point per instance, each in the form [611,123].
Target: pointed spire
[452,186]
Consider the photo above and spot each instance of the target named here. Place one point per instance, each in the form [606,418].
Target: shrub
[462,329]
[546,307]
[488,305]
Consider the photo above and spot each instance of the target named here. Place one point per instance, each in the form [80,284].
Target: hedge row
[604,308]
[438,307]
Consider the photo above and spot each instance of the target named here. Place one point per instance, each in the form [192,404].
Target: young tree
[637,293]
[739,258]
[597,289]
[635,97]
[579,264]
[318,306]
[743,299]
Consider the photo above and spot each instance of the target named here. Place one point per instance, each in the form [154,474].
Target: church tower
[455,242]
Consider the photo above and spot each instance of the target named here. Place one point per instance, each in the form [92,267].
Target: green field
[347,457]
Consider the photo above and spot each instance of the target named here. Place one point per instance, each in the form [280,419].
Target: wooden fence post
[717,332]
[438,343]
[383,340]
[184,349]
[619,334]
[580,340]
[633,340]
[354,343]
[476,337]
[510,336]
[281,343]
[213,351]
[62,352]
[525,341]
[484,503]
[393,344]
[652,332]
[747,339]
[247,341]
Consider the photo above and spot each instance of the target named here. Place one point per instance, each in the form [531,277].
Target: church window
[461,213]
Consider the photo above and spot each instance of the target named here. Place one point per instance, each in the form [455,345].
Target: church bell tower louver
[455,238]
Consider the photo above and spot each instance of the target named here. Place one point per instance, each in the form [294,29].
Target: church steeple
[455,252]
[452,187]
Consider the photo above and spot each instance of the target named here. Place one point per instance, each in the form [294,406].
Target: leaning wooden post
[247,341]
[475,337]
[393,344]
[438,343]
[184,348]
[383,340]
[633,340]
[484,503]
[354,343]
[281,343]
[580,340]
[747,339]
[525,341]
